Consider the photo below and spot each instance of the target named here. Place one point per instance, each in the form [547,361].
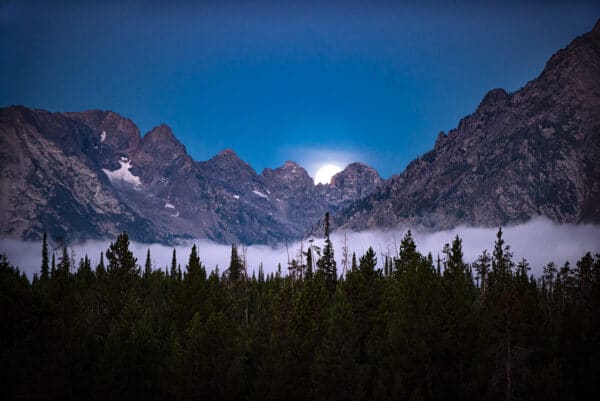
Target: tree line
[417,329]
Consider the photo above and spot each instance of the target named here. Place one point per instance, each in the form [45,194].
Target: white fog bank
[539,241]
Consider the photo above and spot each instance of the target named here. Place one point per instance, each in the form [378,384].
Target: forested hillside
[418,329]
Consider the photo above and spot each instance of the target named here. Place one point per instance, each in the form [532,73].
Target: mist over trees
[420,328]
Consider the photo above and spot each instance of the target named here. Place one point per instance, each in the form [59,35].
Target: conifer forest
[418,328]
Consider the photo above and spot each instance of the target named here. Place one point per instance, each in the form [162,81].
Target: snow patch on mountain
[123,175]
[169,205]
[262,195]
[103,136]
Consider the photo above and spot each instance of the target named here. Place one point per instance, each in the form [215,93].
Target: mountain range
[91,174]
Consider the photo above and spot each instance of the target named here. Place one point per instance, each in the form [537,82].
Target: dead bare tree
[345,256]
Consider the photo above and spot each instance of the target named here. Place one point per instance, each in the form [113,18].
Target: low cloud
[539,241]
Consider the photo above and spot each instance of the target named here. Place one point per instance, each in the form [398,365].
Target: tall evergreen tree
[235,265]
[501,303]
[367,265]
[261,274]
[194,286]
[122,273]
[456,268]
[120,259]
[408,257]
[327,261]
[194,267]
[482,268]
[501,258]
[64,263]
[309,263]
[457,317]
[45,275]
[148,264]
[101,269]
[173,273]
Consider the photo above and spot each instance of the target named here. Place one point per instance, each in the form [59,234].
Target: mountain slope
[46,186]
[532,152]
[91,174]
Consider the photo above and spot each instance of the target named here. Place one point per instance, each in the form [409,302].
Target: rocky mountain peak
[228,160]
[110,129]
[160,140]
[351,184]
[290,165]
[289,174]
[226,166]
[495,98]
[227,154]
[356,180]
[161,132]
[292,169]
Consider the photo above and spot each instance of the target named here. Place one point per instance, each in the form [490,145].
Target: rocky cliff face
[532,152]
[355,182]
[49,181]
[91,175]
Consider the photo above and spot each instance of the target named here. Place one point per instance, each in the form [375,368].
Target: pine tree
[502,296]
[367,265]
[100,269]
[309,263]
[327,262]
[64,265]
[501,258]
[120,259]
[194,286]
[173,273]
[457,317]
[122,272]
[194,267]
[456,268]
[85,275]
[482,267]
[408,257]
[45,267]
[235,265]
[261,274]
[522,272]
[148,265]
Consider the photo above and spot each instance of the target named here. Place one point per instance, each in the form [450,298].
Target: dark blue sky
[309,82]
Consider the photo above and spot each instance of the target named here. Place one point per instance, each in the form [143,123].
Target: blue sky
[313,82]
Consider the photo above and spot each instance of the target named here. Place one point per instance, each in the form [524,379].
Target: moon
[325,173]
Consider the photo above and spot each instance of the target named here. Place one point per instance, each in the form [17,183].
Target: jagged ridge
[91,174]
